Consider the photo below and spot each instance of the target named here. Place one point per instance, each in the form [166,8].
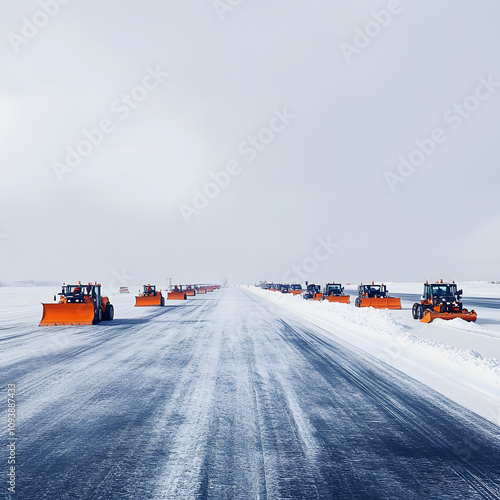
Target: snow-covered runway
[229,396]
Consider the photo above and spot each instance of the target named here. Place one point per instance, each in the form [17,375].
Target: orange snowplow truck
[78,305]
[312,292]
[376,296]
[149,297]
[334,292]
[177,293]
[441,300]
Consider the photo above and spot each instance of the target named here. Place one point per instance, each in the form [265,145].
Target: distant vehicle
[285,288]
[376,296]
[295,289]
[177,293]
[334,292]
[441,300]
[313,292]
[124,289]
[150,297]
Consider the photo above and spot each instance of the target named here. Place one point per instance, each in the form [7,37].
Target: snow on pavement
[228,395]
[458,359]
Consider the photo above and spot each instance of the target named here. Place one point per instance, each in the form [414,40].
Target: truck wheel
[162,301]
[109,313]
[357,302]
[414,310]
[97,316]
[420,311]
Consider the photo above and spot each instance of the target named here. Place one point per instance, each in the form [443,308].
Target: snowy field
[242,393]
[457,358]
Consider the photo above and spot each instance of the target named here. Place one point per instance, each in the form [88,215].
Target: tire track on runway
[364,379]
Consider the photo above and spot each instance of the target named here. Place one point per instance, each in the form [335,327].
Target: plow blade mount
[149,300]
[176,296]
[344,299]
[67,314]
[465,315]
[382,303]
[190,293]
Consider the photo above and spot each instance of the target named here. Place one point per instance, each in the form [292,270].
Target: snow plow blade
[202,290]
[295,292]
[465,315]
[148,300]
[67,314]
[190,293]
[176,296]
[344,299]
[382,303]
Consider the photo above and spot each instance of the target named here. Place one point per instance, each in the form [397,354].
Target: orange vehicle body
[334,292]
[150,297]
[63,313]
[343,299]
[84,311]
[376,296]
[381,303]
[465,315]
[441,300]
[177,294]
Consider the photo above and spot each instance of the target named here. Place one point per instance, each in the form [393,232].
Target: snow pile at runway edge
[454,372]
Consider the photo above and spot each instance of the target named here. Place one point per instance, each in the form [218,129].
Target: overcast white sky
[321,176]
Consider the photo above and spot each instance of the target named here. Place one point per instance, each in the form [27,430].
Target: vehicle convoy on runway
[78,305]
[376,296]
[441,300]
[312,292]
[334,292]
[150,297]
